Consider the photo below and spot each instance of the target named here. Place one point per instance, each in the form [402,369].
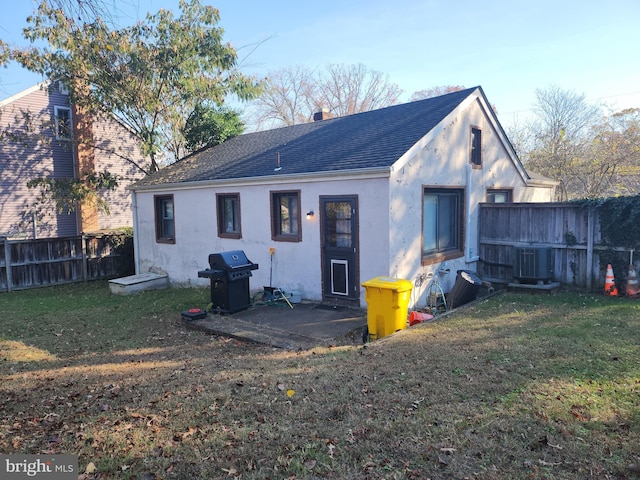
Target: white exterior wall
[389,214]
[442,159]
[296,265]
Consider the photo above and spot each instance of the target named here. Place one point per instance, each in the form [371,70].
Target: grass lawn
[518,386]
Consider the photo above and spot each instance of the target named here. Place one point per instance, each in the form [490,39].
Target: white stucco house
[390,192]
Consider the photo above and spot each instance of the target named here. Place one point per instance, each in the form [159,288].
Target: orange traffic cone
[609,283]
[632,289]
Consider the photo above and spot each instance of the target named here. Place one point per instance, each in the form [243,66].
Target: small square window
[476,147]
[62,117]
[63,89]
[286,222]
[165,220]
[495,195]
[229,215]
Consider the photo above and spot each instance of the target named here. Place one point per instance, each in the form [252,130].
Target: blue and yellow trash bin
[387,306]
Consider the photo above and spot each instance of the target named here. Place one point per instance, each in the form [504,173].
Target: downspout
[470,257]
[136,255]
[34,222]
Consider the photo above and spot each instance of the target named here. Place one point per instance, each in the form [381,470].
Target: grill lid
[231,260]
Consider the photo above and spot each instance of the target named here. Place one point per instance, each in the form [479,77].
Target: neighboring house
[391,192]
[40,132]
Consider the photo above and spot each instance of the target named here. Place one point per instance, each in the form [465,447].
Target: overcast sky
[509,48]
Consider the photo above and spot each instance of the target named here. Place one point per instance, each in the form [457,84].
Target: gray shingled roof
[377,138]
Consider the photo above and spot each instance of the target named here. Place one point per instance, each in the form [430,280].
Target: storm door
[339,233]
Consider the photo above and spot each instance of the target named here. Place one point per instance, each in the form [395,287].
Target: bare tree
[613,164]
[349,89]
[287,99]
[574,143]
[435,92]
[294,94]
[519,134]
[438,91]
[561,129]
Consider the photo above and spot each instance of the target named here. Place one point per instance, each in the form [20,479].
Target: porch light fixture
[309,214]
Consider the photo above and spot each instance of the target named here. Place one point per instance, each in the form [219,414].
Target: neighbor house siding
[114,146]
[35,153]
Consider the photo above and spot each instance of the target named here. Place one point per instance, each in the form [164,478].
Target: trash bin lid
[389,283]
[470,277]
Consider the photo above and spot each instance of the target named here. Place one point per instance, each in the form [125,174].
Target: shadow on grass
[518,386]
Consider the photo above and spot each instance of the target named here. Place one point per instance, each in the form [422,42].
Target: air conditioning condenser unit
[532,263]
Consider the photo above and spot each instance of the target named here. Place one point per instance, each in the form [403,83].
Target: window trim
[63,89]
[57,123]
[276,221]
[441,256]
[157,201]
[220,210]
[508,191]
[475,151]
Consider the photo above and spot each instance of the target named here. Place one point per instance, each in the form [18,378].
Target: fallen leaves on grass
[450,398]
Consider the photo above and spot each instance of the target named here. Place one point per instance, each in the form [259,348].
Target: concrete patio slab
[304,326]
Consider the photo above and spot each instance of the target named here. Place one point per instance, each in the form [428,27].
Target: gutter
[539,182]
[361,173]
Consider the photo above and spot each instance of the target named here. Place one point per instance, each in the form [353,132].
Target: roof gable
[22,94]
[475,96]
[42,86]
[373,139]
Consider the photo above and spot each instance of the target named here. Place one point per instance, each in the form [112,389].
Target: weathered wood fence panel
[572,231]
[52,261]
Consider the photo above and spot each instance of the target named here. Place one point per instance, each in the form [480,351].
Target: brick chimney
[323,114]
[85,163]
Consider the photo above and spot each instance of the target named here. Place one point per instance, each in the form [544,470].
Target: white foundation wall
[294,266]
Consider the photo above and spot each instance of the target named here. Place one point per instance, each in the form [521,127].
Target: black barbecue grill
[229,275]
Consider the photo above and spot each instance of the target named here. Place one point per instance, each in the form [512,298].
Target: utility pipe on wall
[136,250]
[469,258]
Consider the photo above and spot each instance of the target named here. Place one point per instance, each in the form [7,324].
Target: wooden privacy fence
[51,261]
[571,231]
